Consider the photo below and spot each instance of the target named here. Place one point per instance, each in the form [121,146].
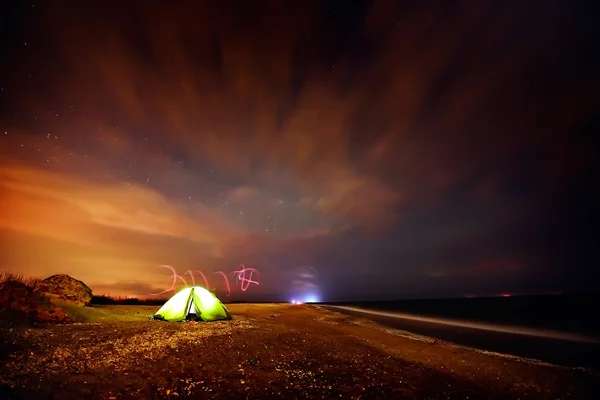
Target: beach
[266,351]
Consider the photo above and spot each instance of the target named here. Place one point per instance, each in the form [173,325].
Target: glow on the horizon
[311,299]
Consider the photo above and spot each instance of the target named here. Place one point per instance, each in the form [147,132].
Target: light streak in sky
[244,276]
[246,281]
[203,277]
[174,276]
[182,279]
[189,272]
[226,282]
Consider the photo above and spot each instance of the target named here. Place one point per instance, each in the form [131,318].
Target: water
[577,313]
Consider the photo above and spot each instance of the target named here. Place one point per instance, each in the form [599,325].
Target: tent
[193,303]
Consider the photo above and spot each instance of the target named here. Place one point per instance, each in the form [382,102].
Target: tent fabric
[194,302]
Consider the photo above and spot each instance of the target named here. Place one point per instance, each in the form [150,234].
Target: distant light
[506,295]
[312,299]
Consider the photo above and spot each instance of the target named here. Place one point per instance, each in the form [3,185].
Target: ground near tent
[265,351]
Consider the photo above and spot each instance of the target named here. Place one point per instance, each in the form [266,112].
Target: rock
[21,304]
[64,289]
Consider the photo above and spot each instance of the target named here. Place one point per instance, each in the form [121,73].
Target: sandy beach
[266,351]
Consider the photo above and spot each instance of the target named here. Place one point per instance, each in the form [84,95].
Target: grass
[108,313]
[30,282]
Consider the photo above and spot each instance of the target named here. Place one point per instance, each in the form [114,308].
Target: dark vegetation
[124,301]
[27,281]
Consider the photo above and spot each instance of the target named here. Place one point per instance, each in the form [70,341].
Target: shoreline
[267,350]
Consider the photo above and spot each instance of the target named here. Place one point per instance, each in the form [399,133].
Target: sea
[561,329]
[576,313]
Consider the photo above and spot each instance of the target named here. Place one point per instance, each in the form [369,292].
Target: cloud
[242,194]
[277,136]
[359,148]
[487,268]
[129,289]
[79,204]
[250,118]
[104,229]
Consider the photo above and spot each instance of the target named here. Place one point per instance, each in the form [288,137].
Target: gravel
[266,351]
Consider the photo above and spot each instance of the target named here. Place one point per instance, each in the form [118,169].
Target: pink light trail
[241,277]
[205,280]
[244,280]
[174,276]
[189,272]
[226,282]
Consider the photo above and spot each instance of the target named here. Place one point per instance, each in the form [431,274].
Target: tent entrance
[191,308]
[192,314]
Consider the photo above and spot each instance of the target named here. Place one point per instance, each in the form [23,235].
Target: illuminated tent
[193,303]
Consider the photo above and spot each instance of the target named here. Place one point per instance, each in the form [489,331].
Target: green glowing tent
[193,303]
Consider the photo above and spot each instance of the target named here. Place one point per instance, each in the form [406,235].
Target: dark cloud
[424,148]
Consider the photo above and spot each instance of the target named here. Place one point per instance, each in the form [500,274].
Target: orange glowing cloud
[232,97]
[30,196]
[92,221]
[243,114]
[204,138]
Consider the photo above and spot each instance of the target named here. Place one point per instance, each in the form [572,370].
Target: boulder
[64,289]
[21,304]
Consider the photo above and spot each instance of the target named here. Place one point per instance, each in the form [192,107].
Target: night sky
[346,149]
